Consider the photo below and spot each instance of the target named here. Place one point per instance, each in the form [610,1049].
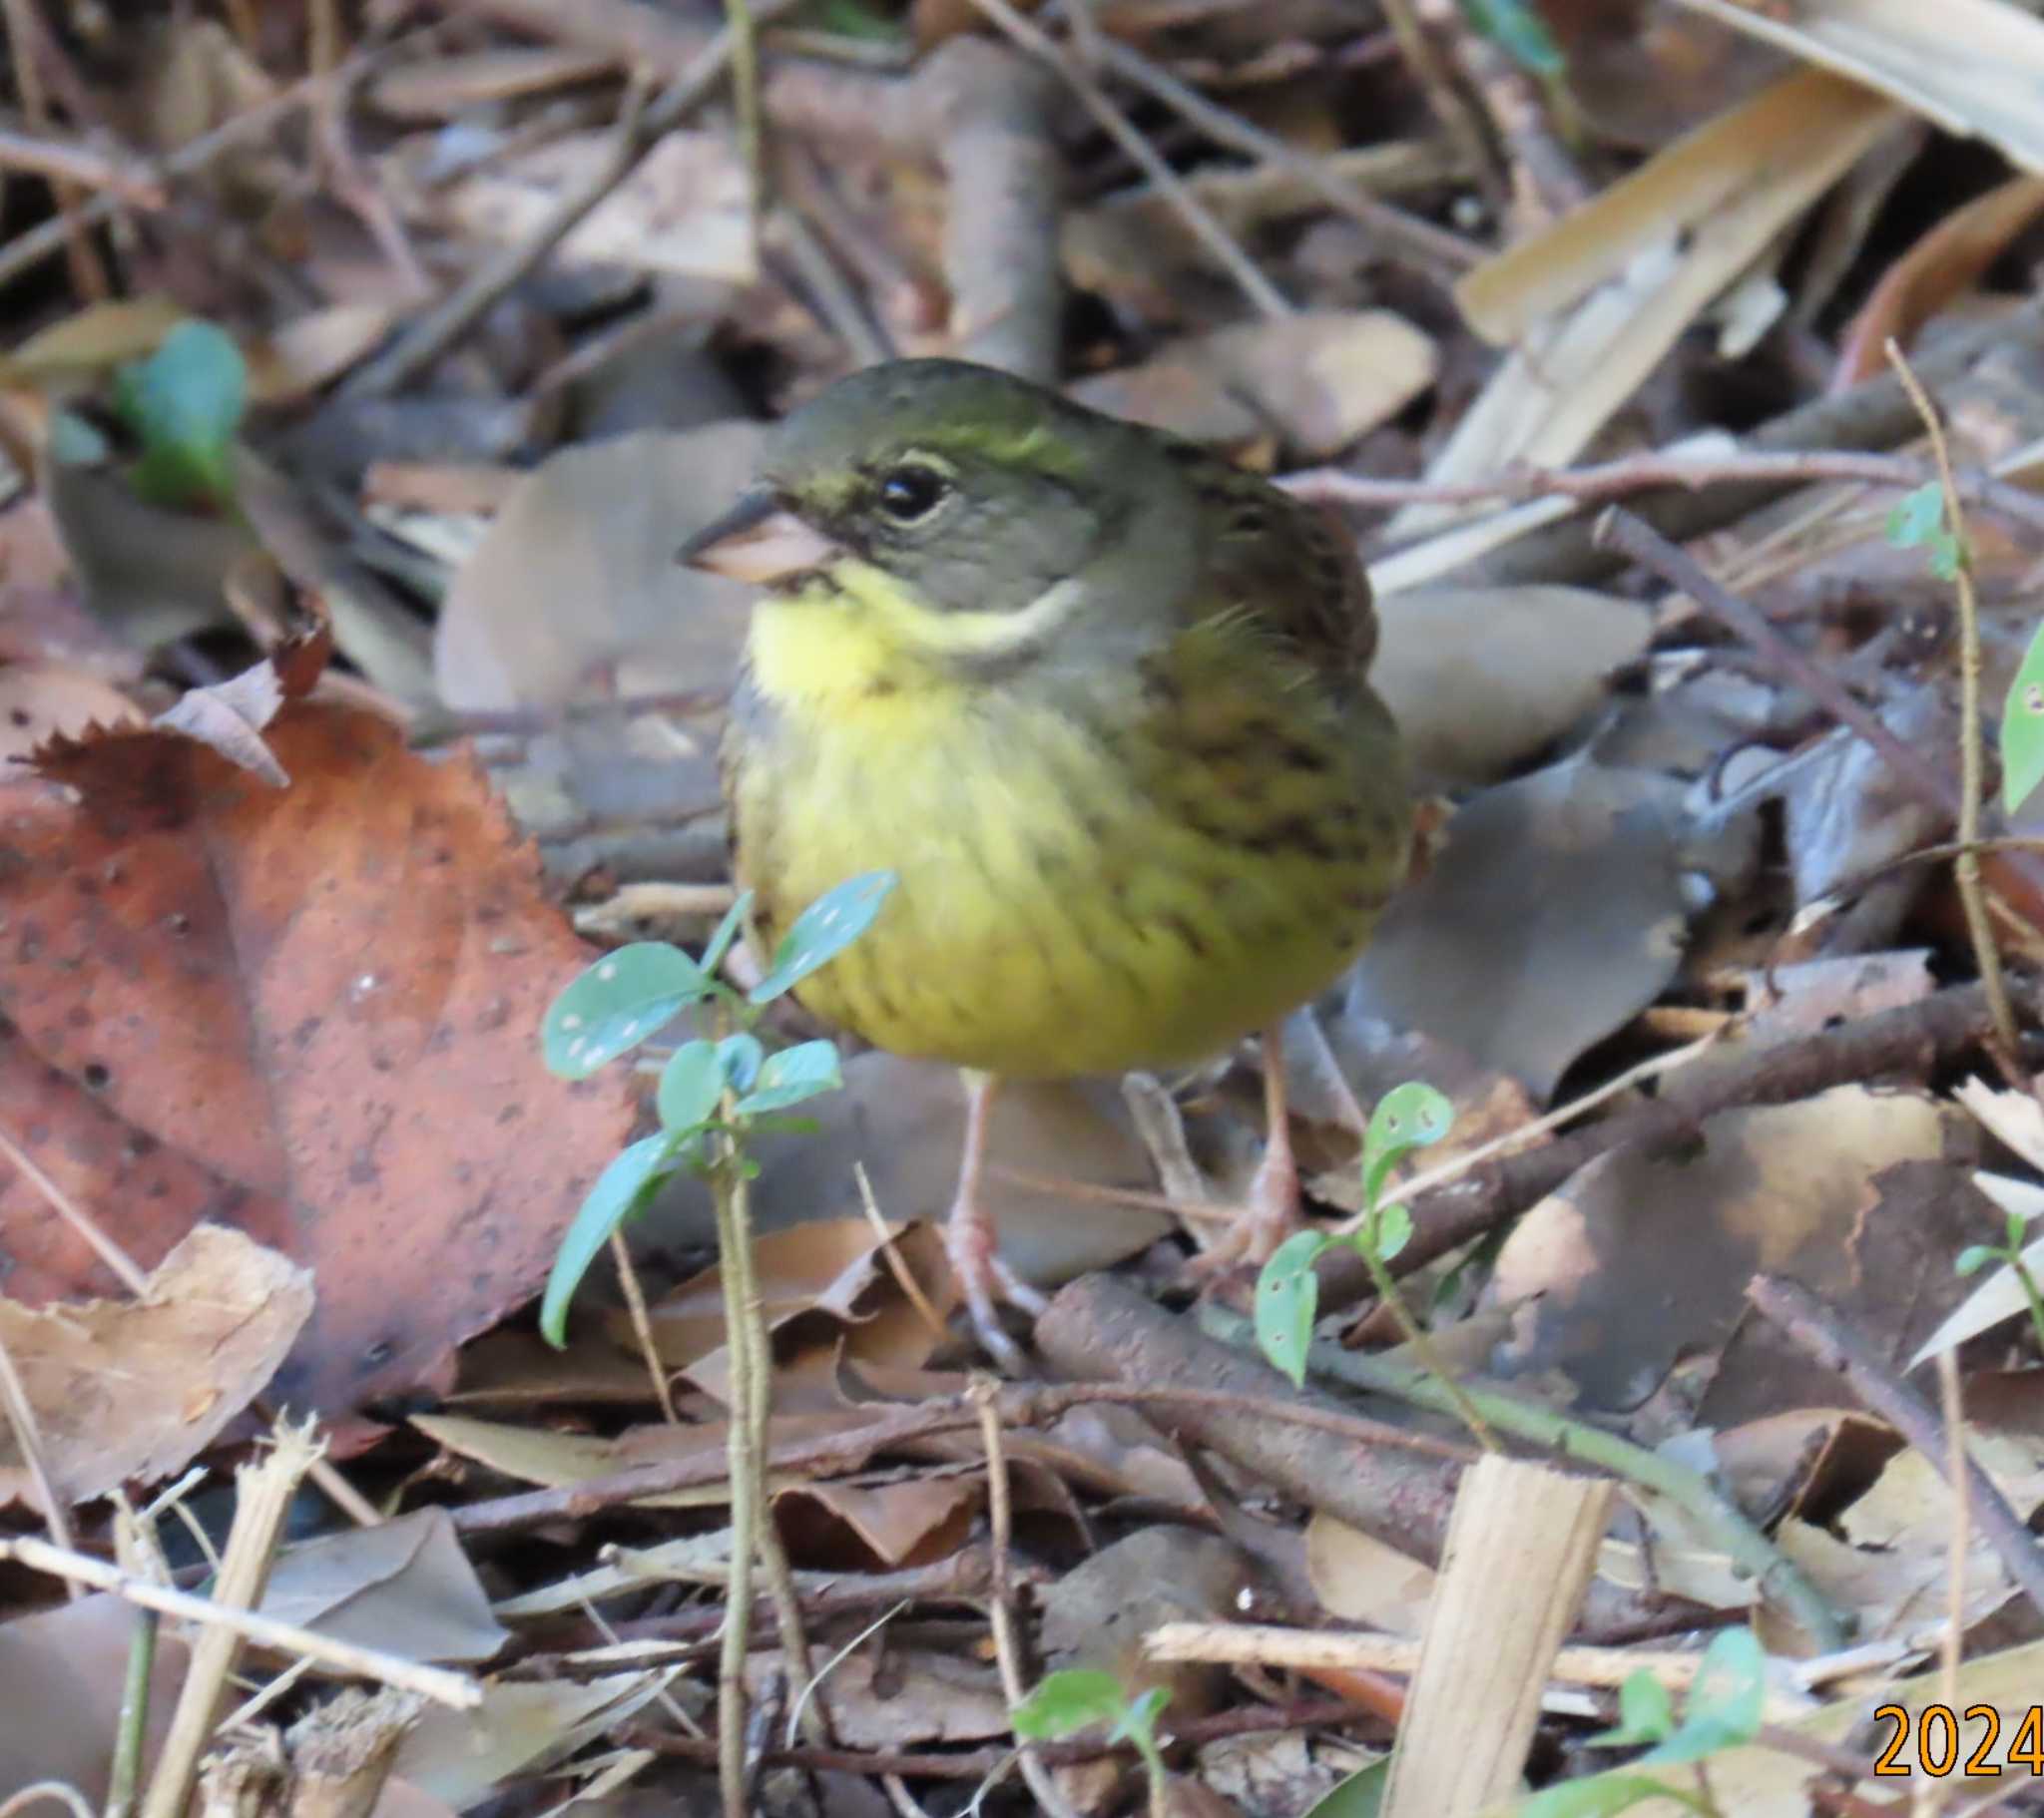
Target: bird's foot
[985,1280]
[1268,1215]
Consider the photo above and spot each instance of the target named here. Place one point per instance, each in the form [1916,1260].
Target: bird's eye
[911,492]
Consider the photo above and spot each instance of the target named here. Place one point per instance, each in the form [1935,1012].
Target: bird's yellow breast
[1095,872]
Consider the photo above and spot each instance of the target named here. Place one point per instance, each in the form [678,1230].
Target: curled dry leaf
[305,1012]
[134,1390]
[1317,381]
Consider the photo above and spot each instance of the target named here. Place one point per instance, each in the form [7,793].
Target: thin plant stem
[742,1461]
[124,1777]
[1972,760]
[1422,1344]
[781,1586]
[642,1326]
[744,87]
[1000,1612]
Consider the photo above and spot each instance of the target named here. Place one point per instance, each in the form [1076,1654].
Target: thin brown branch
[1622,531]
[984,1395]
[1638,473]
[28,1437]
[1973,761]
[85,166]
[977,1764]
[1909,1042]
[1395,226]
[456,1690]
[27,250]
[1021,1405]
[1260,291]
[1817,1330]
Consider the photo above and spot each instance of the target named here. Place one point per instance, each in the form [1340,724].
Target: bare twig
[1413,234]
[745,86]
[86,166]
[454,1689]
[984,1394]
[977,1764]
[1022,1405]
[1457,116]
[1876,414]
[1817,1330]
[1966,867]
[28,1435]
[25,41]
[1264,294]
[642,1326]
[1637,473]
[61,1791]
[1714,1514]
[1622,531]
[27,250]
[1911,1040]
[435,332]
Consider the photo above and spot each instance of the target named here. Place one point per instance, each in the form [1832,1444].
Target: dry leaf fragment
[134,1390]
[307,1012]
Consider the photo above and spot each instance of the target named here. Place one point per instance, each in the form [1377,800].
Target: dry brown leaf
[1643,1258]
[1523,980]
[1316,381]
[1482,679]
[1362,1579]
[521,1726]
[307,1012]
[862,1526]
[63,1670]
[43,701]
[826,1289]
[134,1390]
[904,1697]
[403,1587]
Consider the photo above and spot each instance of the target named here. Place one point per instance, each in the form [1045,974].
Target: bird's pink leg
[1272,1211]
[971,1241]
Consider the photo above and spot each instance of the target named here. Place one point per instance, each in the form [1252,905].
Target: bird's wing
[1286,565]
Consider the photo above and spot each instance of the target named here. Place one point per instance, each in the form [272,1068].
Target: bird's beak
[759,540]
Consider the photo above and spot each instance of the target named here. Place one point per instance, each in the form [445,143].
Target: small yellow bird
[1098,698]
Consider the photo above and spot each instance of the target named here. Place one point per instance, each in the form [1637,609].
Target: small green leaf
[822,931]
[1520,32]
[1288,1296]
[691,1084]
[727,932]
[1388,1232]
[792,1075]
[2022,727]
[1973,1258]
[1726,1700]
[1406,1118]
[185,403]
[1646,1714]
[616,1004]
[1137,1721]
[2017,1228]
[1361,1795]
[1069,1700]
[742,1058]
[1916,516]
[619,1191]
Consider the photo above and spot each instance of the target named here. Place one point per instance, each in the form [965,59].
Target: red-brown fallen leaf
[310,1013]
